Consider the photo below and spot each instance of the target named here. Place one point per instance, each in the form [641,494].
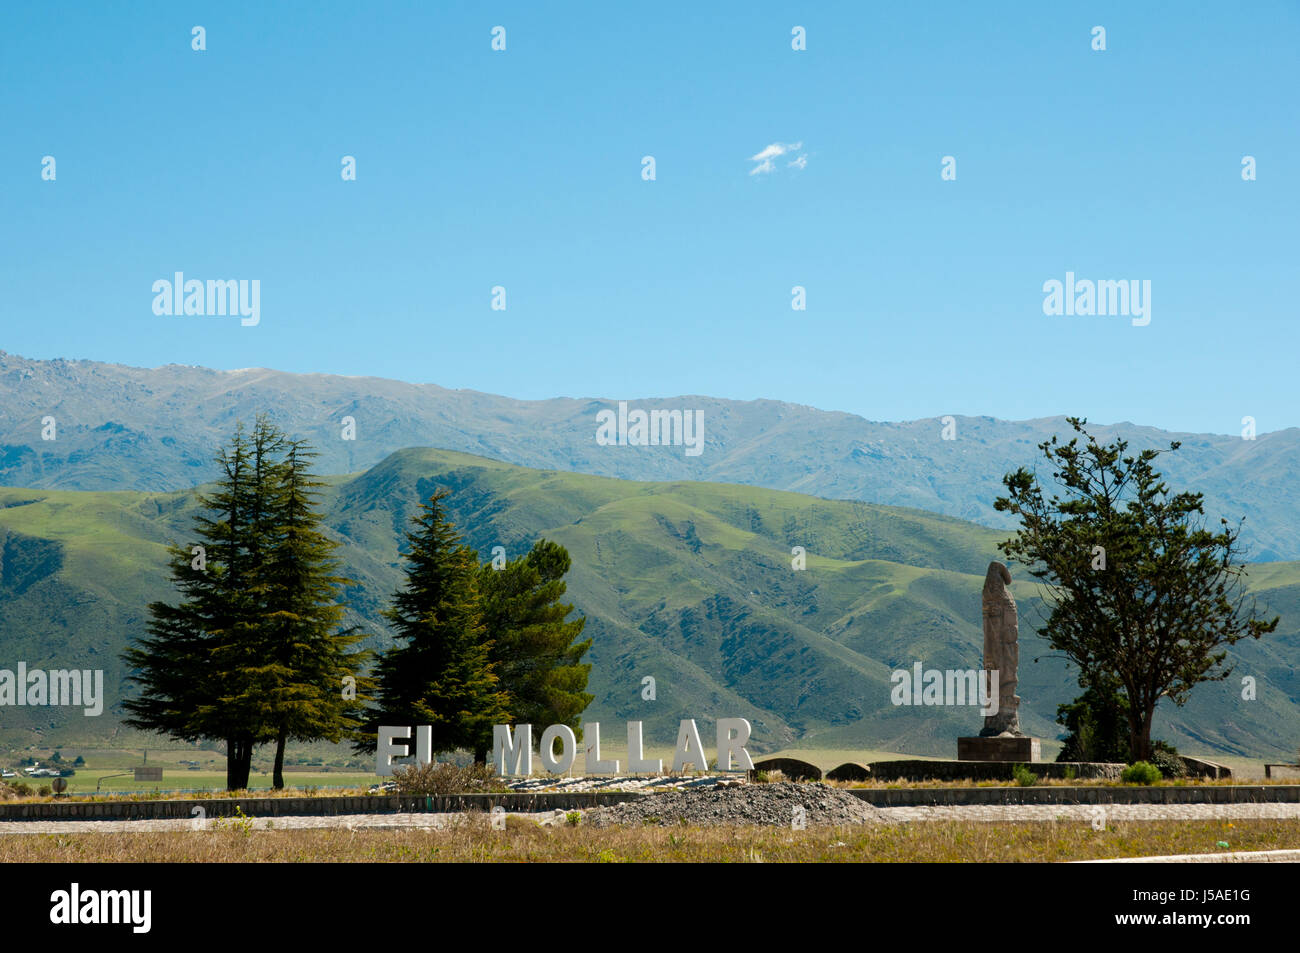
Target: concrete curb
[1233,857]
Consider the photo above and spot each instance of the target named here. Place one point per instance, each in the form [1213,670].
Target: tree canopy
[1142,594]
[251,653]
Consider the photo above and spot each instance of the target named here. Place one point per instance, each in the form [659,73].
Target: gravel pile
[765,804]
[624,783]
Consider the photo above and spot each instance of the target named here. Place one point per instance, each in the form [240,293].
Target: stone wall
[988,770]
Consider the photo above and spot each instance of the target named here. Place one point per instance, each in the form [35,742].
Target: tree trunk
[232,765]
[239,760]
[1139,732]
[277,777]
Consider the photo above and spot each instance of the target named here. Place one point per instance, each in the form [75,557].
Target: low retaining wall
[76,810]
[988,770]
[1126,794]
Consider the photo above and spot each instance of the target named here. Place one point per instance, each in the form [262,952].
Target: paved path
[1087,812]
[1083,813]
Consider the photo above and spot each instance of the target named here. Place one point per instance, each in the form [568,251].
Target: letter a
[690,750]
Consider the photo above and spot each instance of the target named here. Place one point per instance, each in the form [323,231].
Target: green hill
[690,583]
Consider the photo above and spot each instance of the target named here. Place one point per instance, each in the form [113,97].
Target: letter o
[568,748]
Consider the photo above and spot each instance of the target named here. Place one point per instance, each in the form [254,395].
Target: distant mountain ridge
[120,428]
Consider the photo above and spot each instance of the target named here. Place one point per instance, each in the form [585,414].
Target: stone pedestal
[999,748]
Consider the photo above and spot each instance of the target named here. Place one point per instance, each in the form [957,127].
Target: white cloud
[765,156]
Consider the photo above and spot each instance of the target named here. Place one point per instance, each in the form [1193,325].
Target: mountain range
[125,428]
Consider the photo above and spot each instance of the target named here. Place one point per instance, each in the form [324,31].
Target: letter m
[1112,297]
[963,684]
[122,906]
[512,755]
[665,428]
[65,687]
[223,297]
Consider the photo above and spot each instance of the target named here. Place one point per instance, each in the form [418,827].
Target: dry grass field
[524,841]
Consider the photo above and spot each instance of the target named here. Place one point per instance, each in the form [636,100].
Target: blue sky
[522,168]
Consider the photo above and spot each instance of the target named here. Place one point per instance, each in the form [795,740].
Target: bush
[1141,772]
[573,818]
[425,780]
[1024,777]
[45,790]
[1165,757]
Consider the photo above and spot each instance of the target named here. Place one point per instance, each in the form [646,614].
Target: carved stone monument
[1001,650]
[1001,738]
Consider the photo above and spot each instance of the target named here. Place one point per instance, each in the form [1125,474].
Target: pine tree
[189,667]
[533,647]
[239,665]
[442,674]
[252,653]
[307,657]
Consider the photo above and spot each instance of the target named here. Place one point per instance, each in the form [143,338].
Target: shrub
[1165,757]
[1141,772]
[1071,774]
[425,780]
[1024,777]
[45,790]
[572,818]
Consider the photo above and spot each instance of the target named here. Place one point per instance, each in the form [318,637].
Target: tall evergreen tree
[238,660]
[251,654]
[307,657]
[440,674]
[188,667]
[537,657]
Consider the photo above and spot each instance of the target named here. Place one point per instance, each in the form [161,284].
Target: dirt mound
[766,804]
